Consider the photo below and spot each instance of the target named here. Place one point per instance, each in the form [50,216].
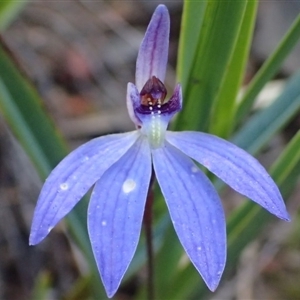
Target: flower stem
[148,232]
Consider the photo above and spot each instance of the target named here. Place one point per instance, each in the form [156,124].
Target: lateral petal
[116,211]
[234,166]
[153,53]
[133,101]
[73,177]
[195,210]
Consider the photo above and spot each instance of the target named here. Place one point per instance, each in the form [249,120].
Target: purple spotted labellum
[120,166]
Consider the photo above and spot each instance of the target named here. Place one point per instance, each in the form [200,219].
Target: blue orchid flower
[120,166]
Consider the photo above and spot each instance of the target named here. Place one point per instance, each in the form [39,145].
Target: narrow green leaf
[249,220]
[41,287]
[222,119]
[24,112]
[25,136]
[269,69]
[220,27]
[253,136]
[288,162]
[9,9]
[29,122]
[263,125]
[244,224]
[191,23]
[167,264]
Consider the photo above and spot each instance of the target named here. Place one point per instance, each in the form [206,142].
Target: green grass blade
[9,9]
[23,111]
[269,69]
[219,31]
[244,224]
[249,219]
[24,135]
[29,122]
[257,131]
[41,287]
[263,125]
[222,118]
[191,23]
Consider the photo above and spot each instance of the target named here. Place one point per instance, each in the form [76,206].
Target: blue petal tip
[286,217]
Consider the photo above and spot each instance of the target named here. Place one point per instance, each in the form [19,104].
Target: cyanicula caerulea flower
[120,166]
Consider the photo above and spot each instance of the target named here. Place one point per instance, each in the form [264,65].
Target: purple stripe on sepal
[73,177]
[195,210]
[153,53]
[234,166]
[116,211]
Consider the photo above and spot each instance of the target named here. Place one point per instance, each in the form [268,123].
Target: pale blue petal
[133,101]
[116,211]
[73,177]
[153,53]
[175,102]
[234,166]
[195,210]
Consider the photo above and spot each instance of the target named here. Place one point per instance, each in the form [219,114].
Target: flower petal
[116,211]
[175,102]
[133,101]
[73,177]
[234,166]
[195,210]
[153,53]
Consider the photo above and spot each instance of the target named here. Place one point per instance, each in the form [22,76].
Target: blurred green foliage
[9,10]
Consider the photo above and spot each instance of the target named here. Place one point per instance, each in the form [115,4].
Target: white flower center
[155,130]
